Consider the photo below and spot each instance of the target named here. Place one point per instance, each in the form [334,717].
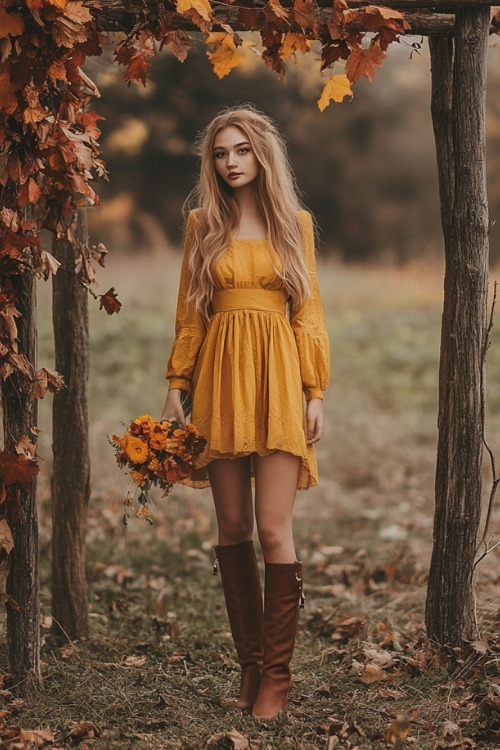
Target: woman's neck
[251,225]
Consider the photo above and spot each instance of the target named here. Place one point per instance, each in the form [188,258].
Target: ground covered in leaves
[160,659]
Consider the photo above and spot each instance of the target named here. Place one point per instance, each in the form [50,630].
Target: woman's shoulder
[305,217]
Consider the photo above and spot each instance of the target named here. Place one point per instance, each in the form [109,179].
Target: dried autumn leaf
[67,32]
[47,380]
[83,730]
[57,71]
[26,447]
[8,98]
[178,43]
[274,8]
[225,57]
[294,42]
[138,68]
[110,302]
[362,62]
[29,192]
[305,13]
[33,738]
[76,10]
[133,661]
[336,89]
[17,469]
[47,265]
[397,731]
[6,546]
[10,23]
[372,673]
[202,7]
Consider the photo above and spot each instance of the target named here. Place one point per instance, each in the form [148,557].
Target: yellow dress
[250,369]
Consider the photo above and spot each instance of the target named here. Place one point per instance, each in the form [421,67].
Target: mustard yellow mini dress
[252,367]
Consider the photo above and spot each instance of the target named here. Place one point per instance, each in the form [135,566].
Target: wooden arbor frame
[458,32]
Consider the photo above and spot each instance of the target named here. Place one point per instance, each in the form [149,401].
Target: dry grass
[160,658]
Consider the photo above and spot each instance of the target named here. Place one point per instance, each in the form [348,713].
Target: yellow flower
[136,450]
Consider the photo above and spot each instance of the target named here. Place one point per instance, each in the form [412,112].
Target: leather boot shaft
[283,597]
[243,595]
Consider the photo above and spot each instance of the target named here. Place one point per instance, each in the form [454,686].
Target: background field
[160,658]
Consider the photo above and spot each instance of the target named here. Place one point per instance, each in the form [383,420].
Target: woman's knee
[233,529]
[273,539]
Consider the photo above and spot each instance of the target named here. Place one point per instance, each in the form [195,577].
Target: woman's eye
[243,150]
[219,154]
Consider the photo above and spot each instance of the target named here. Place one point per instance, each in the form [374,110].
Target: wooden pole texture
[71,469]
[451,611]
[19,417]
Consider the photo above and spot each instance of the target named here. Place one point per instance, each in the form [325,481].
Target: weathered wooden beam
[114,17]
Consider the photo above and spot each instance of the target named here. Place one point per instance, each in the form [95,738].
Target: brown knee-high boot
[243,594]
[283,596]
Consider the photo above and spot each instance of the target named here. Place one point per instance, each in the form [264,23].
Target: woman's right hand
[172,410]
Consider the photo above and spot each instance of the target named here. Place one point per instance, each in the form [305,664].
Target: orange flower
[158,441]
[138,478]
[136,449]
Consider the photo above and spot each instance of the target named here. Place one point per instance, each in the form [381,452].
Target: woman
[251,349]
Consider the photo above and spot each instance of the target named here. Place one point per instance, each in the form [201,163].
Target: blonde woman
[252,351]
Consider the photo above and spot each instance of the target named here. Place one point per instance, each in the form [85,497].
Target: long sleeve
[190,328]
[308,325]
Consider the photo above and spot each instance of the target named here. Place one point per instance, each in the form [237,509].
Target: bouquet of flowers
[156,453]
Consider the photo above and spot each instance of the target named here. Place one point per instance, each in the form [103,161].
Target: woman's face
[234,159]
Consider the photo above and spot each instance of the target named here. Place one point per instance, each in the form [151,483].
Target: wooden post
[71,469]
[451,611]
[19,416]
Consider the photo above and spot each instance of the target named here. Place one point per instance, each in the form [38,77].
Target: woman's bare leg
[232,493]
[276,479]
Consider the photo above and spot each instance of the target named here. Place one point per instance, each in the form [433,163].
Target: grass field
[160,658]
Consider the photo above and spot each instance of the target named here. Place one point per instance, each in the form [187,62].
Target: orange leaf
[202,7]
[29,192]
[305,14]
[275,8]
[17,469]
[57,71]
[362,62]
[8,98]
[397,731]
[372,673]
[10,23]
[336,89]
[292,43]
[138,68]
[110,302]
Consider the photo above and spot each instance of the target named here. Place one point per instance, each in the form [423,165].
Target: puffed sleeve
[308,325]
[190,327]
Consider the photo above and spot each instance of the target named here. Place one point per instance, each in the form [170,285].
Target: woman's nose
[231,159]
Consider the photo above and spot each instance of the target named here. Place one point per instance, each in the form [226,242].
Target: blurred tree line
[366,168]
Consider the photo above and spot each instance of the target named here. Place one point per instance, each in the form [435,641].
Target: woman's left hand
[314,420]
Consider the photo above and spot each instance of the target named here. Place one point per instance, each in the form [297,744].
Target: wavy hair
[218,214]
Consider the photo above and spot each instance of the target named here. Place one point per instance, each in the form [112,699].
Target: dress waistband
[270,300]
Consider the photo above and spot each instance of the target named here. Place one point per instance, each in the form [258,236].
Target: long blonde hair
[218,215]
